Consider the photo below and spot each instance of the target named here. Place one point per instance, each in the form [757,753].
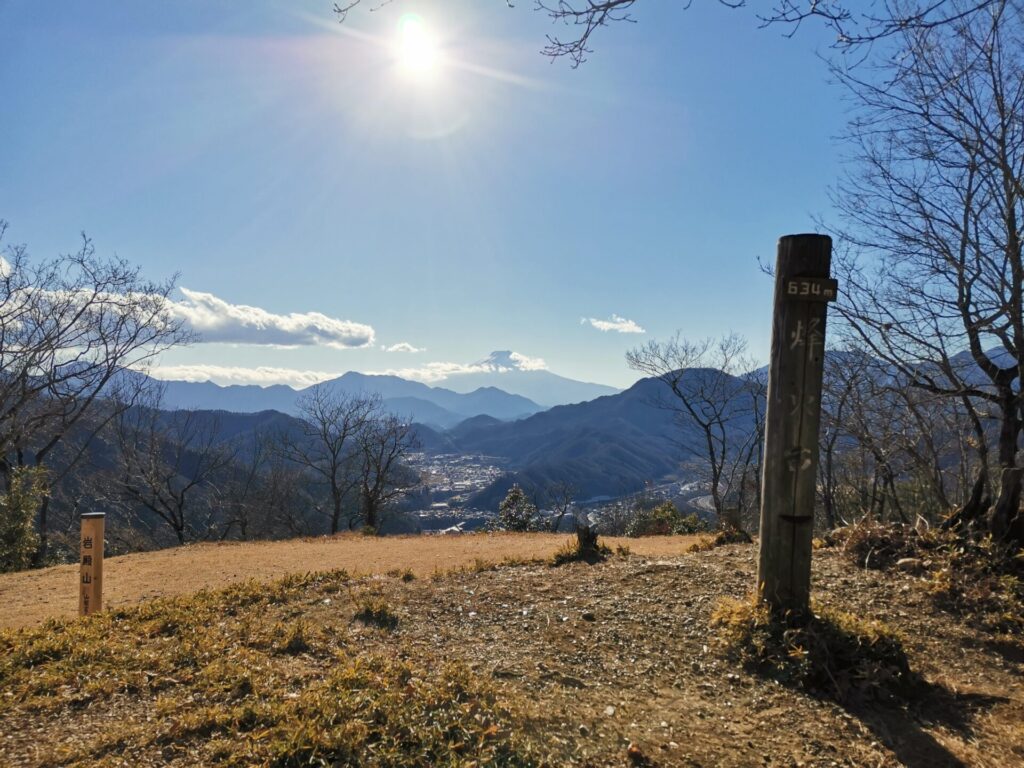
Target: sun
[418,53]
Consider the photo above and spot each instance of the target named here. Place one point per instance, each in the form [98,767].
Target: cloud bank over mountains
[497,362]
[225,375]
[216,320]
[265,376]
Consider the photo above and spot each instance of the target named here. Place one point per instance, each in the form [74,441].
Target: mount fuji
[519,375]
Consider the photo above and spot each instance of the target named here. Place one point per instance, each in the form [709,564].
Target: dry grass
[512,666]
[978,579]
[233,680]
[571,552]
[31,597]
[721,538]
[376,613]
[835,653]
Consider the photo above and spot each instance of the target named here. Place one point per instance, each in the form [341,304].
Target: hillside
[522,665]
[609,446]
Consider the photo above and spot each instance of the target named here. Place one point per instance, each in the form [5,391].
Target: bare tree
[933,207]
[70,329]
[286,500]
[383,442]
[889,449]
[170,463]
[329,446]
[859,438]
[243,508]
[265,495]
[718,401]
[560,497]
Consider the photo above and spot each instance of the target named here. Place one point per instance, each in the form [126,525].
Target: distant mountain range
[434,406]
[471,394]
[610,445]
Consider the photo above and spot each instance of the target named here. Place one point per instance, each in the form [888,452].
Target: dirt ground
[621,653]
[31,597]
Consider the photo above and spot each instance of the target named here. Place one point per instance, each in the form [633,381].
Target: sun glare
[417,50]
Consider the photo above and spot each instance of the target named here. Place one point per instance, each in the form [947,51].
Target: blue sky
[299,180]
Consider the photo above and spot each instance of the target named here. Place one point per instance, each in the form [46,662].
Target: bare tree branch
[854,23]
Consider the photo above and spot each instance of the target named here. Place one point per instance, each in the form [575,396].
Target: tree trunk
[44,533]
[1007,521]
[973,511]
[336,514]
[1009,429]
[731,518]
[828,495]
[891,483]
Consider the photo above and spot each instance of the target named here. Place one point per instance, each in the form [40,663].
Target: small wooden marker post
[90,578]
[803,289]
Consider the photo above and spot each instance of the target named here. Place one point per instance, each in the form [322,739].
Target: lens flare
[417,51]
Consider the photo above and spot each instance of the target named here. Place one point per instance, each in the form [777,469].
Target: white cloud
[497,362]
[521,362]
[223,374]
[216,320]
[431,373]
[264,376]
[616,323]
[403,346]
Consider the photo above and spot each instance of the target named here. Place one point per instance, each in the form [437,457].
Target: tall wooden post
[90,577]
[803,289]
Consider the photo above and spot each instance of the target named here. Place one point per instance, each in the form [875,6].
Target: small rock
[571,682]
[589,616]
[634,753]
[584,731]
[507,672]
[609,711]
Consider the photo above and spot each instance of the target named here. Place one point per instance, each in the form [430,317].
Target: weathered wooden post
[90,579]
[803,289]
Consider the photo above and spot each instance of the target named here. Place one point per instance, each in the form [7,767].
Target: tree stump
[586,540]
